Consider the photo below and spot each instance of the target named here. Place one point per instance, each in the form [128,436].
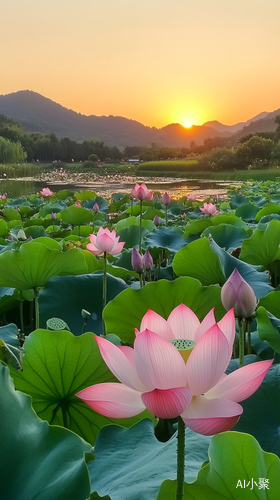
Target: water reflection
[176,189]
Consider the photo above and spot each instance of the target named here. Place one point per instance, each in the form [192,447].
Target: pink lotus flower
[95,207]
[209,209]
[177,368]
[156,220]
[191,197]
[46,192]
[141,192]
[237,293]
[148,260]
[137,261]
[105,241]
[78,204]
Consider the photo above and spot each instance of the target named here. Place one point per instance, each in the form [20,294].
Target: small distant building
[133,161]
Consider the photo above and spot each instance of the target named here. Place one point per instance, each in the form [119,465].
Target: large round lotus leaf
[197,227]
[247,212]
[226,235]
[127,458]
[261,413]
[37,222]
[18,202]
[131,235]
[271,303]
[9,333]
[37,460]
[63,194]
[126,311]
[34,263]
[166,237]
[4,231]
[263,246]
[35,232]
[238,200]
[271,208]
[134,221]
[266,329]
[49,208]
[9,298]
[85,195]
[199,261]
[82,230]
[65,297]
[151,212]
[102,203]
[76,216]
[56,366]
[236,469]
[11,214]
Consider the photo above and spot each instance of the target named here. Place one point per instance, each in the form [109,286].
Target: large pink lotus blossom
[177,367]
[141,192]
[237,293]
[209,209]
[46,192]
[105,241]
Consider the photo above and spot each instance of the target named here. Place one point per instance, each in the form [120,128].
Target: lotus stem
[248,328]
[131,207]
[104,290]
[140,226]
[242,333]
[21,336]
[166,215]
[180,459]
[36,293]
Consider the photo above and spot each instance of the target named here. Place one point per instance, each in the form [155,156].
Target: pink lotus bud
[78,204]
[52,216]
[165,199]
[10,238]
[137,261]
[3,196]
[156,220]
[95,207]
[237,293]
[147,260]
[184,215]
[191,197]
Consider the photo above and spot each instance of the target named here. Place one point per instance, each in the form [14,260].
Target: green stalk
[248,328]
[180,460]
[104,289]
[166,215]
[242,332]
[131,206]
[21,337]
[140,226]
[36,293]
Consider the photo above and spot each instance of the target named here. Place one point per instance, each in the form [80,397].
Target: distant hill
[37,113]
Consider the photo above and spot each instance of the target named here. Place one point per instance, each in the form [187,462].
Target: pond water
[176,188]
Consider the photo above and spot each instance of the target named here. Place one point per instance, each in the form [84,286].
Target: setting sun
[188,123]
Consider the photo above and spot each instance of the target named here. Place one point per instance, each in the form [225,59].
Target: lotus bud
[137,261]
[147,260]
[184,215]
[52,216]
[95,207]
[237,293]
[156,220]
[165,199]
[78,204]
[85,314]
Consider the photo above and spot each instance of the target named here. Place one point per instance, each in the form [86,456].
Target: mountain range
[37,113]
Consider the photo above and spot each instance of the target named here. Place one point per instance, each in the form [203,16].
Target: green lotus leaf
[76,216]
[262,248]
[65,297]
[162,297]
[63,194]
[9,333]
[56,366]
[134,221]
[198,226]
[34,263]
[271,208]
[35,232]
[127,458]
[4,231]
[85,195]
[49,208]
[238,200]
[226,235]
[247,212]
[37,460]
[102,203]
[131,235]
[199,261]
[266,330]
[11,214]
[236,468]
[166,237]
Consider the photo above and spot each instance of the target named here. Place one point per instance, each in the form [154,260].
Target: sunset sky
[154,61]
